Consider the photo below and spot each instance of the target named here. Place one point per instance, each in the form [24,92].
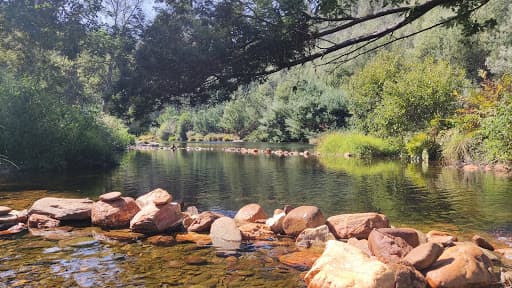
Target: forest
[82,80]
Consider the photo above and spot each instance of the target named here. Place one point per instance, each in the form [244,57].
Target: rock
[192,211]
[162,240]
[443,238]
[256,231]
[191,237]
[8,220]
[115,213]
[159,195]
[362,244]
[111,196]
[501,168]
[460,266]
[125,236]
[42,222]
[79,242]
[63,209]
[387,248]
[277,212]
[345,266]
[225,234]
[203,222]
[250,213]
[301,218]
[288,208]
[195,260]
[408,234]
[505,252]
[301,260]
[357,225]
[14,230]
[480,241]
[276,222]
[408,277]
[153,219]
[4,210]
[314,237]
[424,255]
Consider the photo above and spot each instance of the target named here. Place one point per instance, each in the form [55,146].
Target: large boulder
[157,197]
[153,219]
[225,234]
[345,266]
[63,208]
[314,237]
[387,248]
[114,213]
[250,213]
[301,218]
[203,222]
[256,231]
[424,255]
[461,266]
[357,225]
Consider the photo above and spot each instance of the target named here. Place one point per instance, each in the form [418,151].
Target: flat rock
[387,248]
[125,236]
[155,197]
[250,213]
[110,196]
[225,234]
[317,236]
[42,221]
[358,225]
[191,237]
[480,241]
[256,231]
[114,213]
[154,219]
[461,266]
[63,208]
[302,260]
[443,238]
[345,266]
[203,222]
[424,256]
[301,218]
[4,210]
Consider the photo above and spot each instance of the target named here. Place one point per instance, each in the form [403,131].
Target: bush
[361,146]
[422,142]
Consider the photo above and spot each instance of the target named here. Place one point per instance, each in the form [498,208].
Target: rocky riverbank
[347,250]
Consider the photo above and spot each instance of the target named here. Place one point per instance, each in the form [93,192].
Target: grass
[359,145]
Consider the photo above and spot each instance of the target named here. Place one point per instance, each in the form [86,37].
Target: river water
[410,195]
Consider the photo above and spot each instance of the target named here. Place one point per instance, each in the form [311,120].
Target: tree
[196,47]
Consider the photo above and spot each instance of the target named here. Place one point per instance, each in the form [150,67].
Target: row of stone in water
[347,250]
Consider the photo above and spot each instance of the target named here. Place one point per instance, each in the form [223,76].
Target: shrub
[422,142]
[360,145]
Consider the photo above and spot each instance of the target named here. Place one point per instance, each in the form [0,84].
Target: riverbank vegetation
[78,79]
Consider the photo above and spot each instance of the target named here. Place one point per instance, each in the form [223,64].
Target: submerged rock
[345,266]
[358,225]
[256,231]
[250,213]
[162,240]
[191,237]
[301,218]
[115,213]
[302,260]
[461,266]
[63,208]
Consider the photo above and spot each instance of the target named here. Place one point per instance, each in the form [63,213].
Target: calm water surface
[410,195]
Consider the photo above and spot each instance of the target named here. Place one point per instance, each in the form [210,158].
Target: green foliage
[359,145]
[394,95]
[422,142]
